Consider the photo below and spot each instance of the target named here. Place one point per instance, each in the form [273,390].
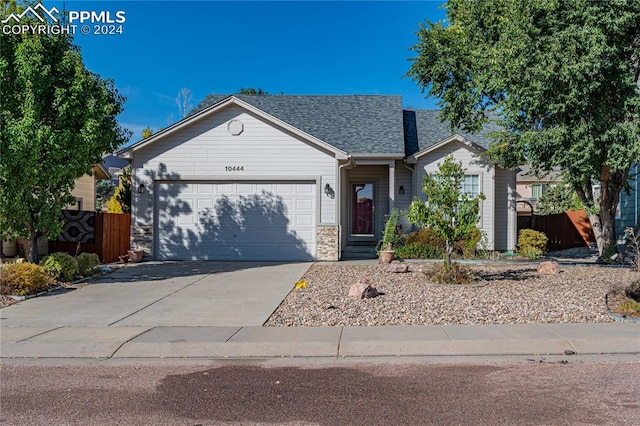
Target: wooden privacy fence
[564,230]
[106,234]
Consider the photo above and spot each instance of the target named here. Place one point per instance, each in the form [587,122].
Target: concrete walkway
[213,310]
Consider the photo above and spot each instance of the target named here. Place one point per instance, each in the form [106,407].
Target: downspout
[413,178]
[349,164]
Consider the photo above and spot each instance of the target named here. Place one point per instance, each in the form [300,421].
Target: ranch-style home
[288,178]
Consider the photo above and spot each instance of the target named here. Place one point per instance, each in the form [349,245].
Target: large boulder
[363,288]
[549,268]
[397,267]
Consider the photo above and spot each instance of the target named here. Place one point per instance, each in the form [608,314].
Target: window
[471,185]
[537,189]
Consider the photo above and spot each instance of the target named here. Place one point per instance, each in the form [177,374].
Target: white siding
[203,150]
[505,210]
[474,165]
[404,179]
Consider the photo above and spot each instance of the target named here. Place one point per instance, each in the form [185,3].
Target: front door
[362,202]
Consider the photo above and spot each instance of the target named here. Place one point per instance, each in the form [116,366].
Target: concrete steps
[353,252]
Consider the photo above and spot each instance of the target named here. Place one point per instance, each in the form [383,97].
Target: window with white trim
[471,185]
[537,189]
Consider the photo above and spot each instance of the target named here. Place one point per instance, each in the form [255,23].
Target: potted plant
[135,256]
[390,237]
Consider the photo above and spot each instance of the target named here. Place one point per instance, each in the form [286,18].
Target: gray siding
[204,149]
[505,210]
[474,165]
[629,203]
[404,178]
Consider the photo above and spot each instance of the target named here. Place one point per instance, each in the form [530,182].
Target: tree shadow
[254,226]
[516,274]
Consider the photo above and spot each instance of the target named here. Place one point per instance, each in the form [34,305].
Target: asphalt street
[535,391]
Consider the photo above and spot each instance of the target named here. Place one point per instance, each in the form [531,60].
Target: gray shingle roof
[423,129]
[356,124]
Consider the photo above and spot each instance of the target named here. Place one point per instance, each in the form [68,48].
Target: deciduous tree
[448,211]
[57,119]
[560,77]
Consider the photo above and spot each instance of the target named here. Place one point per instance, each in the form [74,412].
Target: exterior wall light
[141,188]
[401,190]
[328,191]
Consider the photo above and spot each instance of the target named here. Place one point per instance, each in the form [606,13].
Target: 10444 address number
[234,168]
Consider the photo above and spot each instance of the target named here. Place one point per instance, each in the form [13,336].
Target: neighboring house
[297,177]
[629,208]
[530,187]
[114,166]
[84,189]
[84,192]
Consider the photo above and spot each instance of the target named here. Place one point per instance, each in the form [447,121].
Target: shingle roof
[423,129]
[356,124]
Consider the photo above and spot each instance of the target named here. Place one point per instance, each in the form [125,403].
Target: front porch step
[353,252]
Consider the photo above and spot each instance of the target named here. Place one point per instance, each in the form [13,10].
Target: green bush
[21,279]
[61,266]
[469,244]
[87,263]
[418,250]
[426,236]
[391,235]
[532,244]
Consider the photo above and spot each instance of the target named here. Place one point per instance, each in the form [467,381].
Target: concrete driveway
[166,294]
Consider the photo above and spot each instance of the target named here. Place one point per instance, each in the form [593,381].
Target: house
[530,187]
[84,189]
[280,177]
[629,208]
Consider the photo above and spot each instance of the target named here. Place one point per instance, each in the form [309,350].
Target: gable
[200,122]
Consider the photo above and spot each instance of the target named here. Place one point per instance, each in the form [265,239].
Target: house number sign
[234,168]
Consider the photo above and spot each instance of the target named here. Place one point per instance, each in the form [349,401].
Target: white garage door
[236,220]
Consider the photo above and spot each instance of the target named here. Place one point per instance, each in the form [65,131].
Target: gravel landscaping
[513,294]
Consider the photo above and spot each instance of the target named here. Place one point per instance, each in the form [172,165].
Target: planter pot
[123,258]
[135,256]
[387,256]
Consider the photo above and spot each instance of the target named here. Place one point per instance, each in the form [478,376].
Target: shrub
[441,273]
[61,266]
[418,250]
[21,279]
[633,291]
[630,307]
[426,236]
[87,263]
[469,244]
[532,244]
[391,235]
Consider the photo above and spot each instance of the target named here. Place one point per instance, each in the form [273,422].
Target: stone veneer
[328,237]
[142,239]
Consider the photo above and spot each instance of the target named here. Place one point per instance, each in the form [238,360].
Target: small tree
[121,200]
[558,199]
[448,211]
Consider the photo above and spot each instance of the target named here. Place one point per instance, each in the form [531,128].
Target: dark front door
[362,202]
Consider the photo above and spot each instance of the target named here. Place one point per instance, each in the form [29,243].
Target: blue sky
[294,47]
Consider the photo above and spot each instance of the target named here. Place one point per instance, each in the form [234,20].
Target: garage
[242,220]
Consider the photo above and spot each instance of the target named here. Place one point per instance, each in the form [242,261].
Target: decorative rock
[549,268]
[363,288]
[398,268]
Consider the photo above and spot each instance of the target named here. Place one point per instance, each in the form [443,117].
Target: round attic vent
[235,127]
